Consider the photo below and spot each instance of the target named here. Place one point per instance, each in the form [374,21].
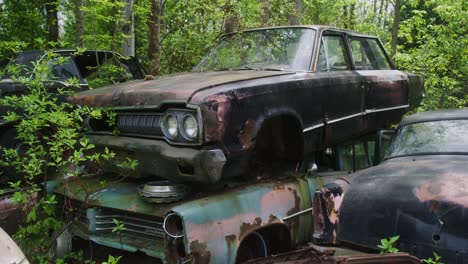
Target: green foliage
[387,245]
[112,260]
[435,39]
[49,144]
[436,260]
[119,227]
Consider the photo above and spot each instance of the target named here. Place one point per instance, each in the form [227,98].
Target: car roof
[447,114]
[318,28]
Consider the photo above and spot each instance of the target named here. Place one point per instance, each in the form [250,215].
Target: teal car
[228,222]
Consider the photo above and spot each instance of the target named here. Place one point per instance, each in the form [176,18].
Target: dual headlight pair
[186,124]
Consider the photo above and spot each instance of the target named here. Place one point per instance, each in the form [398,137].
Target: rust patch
[277,185]
[200,250]
[247,134]
[246,228]
[447,188]
[273,219]
[294,221]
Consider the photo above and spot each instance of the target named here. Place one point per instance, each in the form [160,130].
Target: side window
[63,69]
[368,55]
[332,54]
[360,55]
[111,71]
[355,155]
[378,55]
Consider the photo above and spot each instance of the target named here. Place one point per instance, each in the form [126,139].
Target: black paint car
[418,192]
[86,66]
[260,100]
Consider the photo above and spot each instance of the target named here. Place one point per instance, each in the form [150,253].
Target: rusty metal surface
[12,214]
[215,221]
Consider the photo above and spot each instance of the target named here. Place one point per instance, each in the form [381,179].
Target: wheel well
[281,135]
[276,237]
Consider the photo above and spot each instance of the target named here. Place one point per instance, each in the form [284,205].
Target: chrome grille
[141,123]
[135,224]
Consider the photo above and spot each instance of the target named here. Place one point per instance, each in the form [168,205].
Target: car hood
[9,86]
[167,89]
[424,199]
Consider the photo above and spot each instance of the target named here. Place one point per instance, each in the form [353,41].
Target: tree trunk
[128,30]
[154,47]
[345,17]
[266,10]
[352,8]
[79,23]
[52,20]
[294,19]
[231,20]
[396,26]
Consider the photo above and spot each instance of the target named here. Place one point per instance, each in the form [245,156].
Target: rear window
[446,136]
[368,54]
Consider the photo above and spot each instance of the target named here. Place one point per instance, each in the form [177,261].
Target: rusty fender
[215,226]
[326,210]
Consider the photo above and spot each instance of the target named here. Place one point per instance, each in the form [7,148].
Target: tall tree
[231,19]
[154,26]
[397,4]
[79,23]
[295,17]
[128,30]
[266,10]
[51,7]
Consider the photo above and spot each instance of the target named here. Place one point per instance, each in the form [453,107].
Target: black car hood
[9,86]
[173,88]
[424,199]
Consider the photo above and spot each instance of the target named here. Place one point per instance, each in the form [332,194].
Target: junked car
[85,66]
[418,192]
[227,222]
[259,100]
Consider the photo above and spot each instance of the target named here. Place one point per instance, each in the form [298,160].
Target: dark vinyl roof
[316,27]
[447,114]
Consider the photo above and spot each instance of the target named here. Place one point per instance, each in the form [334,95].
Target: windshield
[61,67]
[287,49]
[447,136]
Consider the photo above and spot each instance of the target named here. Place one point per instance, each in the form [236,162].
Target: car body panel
[229,215]
[418,194]
[428,209]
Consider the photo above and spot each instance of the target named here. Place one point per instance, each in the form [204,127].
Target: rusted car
[418,192]
[86,67]
[259,101]
[226,222]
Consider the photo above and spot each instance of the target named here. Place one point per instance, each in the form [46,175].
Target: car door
[344,100]
[386,89]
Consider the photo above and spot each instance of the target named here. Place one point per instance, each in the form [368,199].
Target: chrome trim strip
[345,117]
[312,127]
[366,112]
[386,109]
[296,214]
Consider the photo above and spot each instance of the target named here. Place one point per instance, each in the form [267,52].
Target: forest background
[424,36]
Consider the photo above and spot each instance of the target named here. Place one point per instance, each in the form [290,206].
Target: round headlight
[170,124]
[190,126]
